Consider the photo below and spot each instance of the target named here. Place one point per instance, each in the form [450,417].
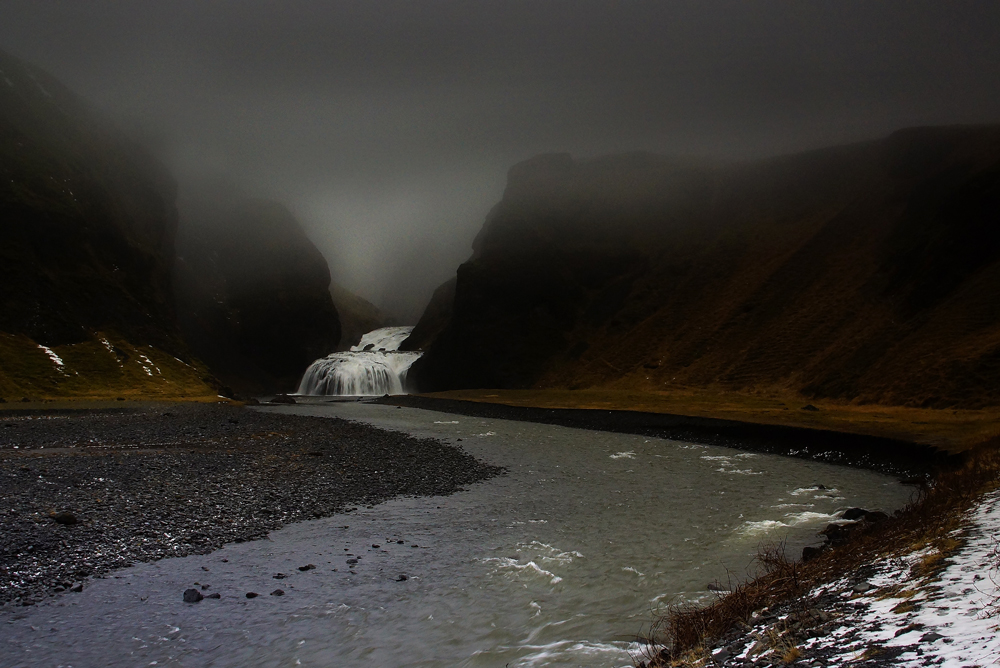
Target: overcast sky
[388,127]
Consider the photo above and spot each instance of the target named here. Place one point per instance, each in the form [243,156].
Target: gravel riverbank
[84,492]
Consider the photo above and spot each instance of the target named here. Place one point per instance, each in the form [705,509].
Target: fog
[388,127]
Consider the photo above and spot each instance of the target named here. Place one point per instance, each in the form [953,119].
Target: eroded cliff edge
[864,273]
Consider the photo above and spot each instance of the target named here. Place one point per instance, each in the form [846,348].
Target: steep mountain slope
[357,316]
[863,273]
[252,293]
[87,223]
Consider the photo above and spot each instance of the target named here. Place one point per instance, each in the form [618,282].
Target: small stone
[65,518]
[402,578]
[279,576]
[252,594]
[214,595]
[809,553]
[307,567]
[205,587]
[809,407]
[931,637]
[721,655]
[861,588]
[376,545]
[399,542]
[204,568]
[277,592]
[78,587]
[192,596]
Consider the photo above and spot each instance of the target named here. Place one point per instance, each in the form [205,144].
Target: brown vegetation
[925,523]
[864,273]
[951,430]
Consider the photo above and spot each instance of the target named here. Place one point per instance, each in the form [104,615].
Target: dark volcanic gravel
[145,483]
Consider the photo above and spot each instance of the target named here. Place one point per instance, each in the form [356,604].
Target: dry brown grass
[929,522]
[949,429]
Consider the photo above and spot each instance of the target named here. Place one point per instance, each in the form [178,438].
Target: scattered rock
[252,594]
[78,587]
[278,592]
[854,513]
[65,518]
[931,637]
[279,576]
[376,545]
[282,399]
[809,407]
[307,567]
[861,588]
[401,578]
[809,553]
[214,595]
[192,596]
[721,655]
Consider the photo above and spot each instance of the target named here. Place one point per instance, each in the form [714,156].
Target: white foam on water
[570,652]
[623,455]
[374,367]
[761,527]
[740,471]
[807,517]
[509,565]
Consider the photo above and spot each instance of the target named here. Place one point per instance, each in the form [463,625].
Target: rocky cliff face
[87,224]
[866,272]
[253,294]
[357,316]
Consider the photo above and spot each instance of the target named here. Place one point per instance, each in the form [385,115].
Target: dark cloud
[388,126]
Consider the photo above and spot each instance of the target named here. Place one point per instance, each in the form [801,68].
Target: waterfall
[374,367]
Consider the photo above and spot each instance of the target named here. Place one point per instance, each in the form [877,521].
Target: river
[561,561]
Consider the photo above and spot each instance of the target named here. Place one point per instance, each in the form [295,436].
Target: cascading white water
[374,367]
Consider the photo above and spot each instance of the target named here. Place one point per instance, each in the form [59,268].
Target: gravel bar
[86,492]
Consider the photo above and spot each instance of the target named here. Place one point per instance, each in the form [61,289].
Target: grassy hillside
[859,274]
[87,224]
[107,367]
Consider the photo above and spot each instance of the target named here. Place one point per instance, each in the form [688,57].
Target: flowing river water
[561,561]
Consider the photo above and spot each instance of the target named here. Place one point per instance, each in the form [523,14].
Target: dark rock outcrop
[866,272]
[357,316]
[435,319]
[87,220]
[252,294]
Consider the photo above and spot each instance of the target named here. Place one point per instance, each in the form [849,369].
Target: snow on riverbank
[927,608]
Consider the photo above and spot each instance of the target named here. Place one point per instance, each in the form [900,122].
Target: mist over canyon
[499,334]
